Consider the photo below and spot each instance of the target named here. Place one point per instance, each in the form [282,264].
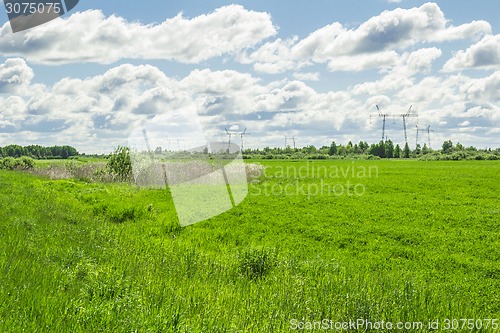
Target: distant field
[398,241]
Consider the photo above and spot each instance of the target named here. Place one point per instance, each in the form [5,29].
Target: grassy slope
[422,243]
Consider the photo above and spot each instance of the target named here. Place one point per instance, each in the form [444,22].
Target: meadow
[393,241]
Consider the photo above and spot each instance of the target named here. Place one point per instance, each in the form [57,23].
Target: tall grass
[92,257]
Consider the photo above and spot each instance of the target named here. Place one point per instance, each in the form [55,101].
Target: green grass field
[410,242]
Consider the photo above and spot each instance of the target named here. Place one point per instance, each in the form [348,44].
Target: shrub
[458,156]
[317,157]
[120,165]
[373,157]
[8,163]
[25,163]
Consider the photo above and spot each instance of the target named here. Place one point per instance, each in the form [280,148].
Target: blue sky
[313,70]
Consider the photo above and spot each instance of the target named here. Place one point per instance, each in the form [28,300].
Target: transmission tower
[242,134]
[230,135]
[404,116]
[384,116]
[416,142]
[429,135]
[293,139]
[408,114]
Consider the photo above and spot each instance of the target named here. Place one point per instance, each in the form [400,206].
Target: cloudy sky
[311,69]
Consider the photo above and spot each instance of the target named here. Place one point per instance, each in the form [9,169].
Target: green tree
[447,147]
[425,150]
[389,149]
[349,148]
[364,146]
[418,150]
[333,149]
[397,151]
[378,149]
[407,151]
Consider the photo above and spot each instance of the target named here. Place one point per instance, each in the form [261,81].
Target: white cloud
[374,44]
[356,63]
[12,109]
[421,60]
[307,76]
[389,84]
[320,44]
[483,55]
[15,75]
[483,90]
[97,113]
[474,30]
[91,37]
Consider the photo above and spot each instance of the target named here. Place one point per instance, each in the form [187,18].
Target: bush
[317,157]
[8,163]
[458,156]
[373,157]
[120,165]
[25,163]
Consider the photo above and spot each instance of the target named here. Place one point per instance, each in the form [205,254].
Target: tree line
[383,149]
[38,152]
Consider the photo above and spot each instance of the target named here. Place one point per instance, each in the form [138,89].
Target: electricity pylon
[230,135]
[404,116]
[416,142]
[384,116]
[242,134]
[408,114]
[429,135]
